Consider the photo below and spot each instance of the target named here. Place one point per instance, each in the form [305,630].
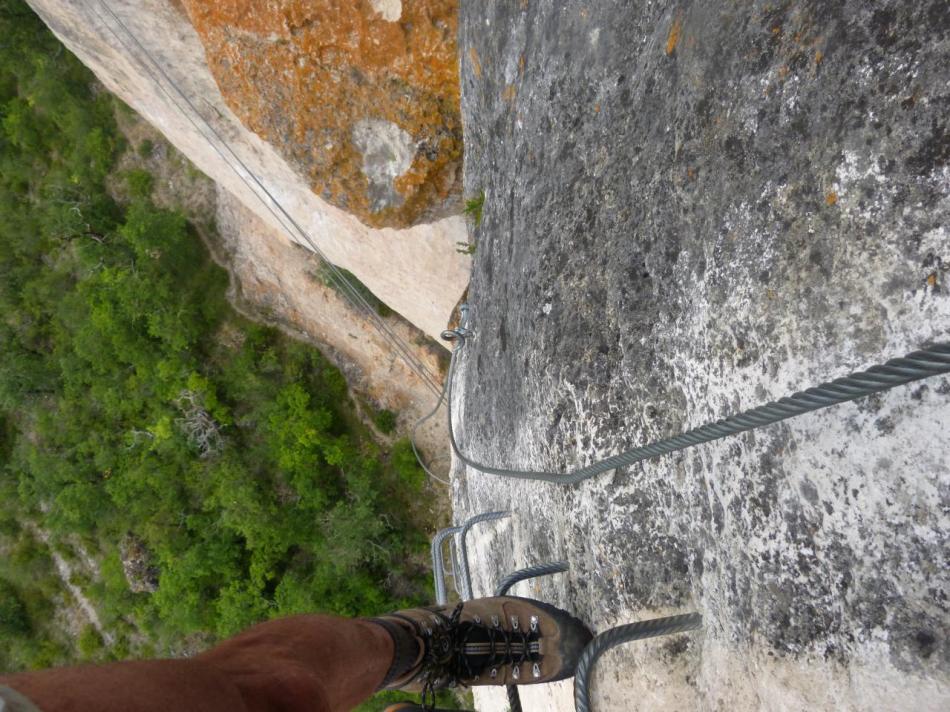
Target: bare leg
[299,664]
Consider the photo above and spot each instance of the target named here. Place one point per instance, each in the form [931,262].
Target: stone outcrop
[361,97]
[138,565]
[416,271]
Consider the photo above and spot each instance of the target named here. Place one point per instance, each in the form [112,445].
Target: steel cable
[464,574]
[617,636]
[415,429]
[930,361]
[349,291]
[553,567]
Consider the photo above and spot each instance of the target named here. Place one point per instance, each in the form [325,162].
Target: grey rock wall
[692,208]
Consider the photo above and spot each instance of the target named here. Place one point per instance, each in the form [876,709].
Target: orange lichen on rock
[674,37]
[362,96]
[476,64]
[831,198]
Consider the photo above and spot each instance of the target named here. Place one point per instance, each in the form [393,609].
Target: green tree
[135,402]
[14,619]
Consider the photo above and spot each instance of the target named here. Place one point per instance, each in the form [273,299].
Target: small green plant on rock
[335,280]
[473,208]
[13,616]
[385,420]
[90,644]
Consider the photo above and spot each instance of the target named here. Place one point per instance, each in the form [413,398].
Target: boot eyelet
[534,624]
[514,622]
[536,670]
[476,619]
[515,672]
[494,673]
[495,622]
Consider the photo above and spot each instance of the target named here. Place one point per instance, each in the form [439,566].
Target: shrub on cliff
[13,616]
[126,410]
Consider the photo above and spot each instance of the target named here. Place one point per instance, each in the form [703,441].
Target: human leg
[318,663]
[300,664]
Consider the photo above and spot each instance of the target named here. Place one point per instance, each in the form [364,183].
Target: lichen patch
[302,74]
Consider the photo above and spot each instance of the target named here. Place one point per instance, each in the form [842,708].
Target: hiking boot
[488,641]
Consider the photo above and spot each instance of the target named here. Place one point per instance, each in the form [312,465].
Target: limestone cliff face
[416,271]
[694,208]
[362,97]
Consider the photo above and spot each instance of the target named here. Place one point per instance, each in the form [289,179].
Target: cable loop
[931,361]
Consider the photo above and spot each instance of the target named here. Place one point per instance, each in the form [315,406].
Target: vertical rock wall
[416,271]
[693,208]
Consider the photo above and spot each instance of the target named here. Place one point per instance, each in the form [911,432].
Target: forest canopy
[139,412]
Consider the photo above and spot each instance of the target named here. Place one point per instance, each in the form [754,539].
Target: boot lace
[457,652]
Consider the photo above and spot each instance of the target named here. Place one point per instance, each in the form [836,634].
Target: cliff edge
[415,270]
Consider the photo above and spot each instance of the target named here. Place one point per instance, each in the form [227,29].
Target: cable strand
[931,361]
